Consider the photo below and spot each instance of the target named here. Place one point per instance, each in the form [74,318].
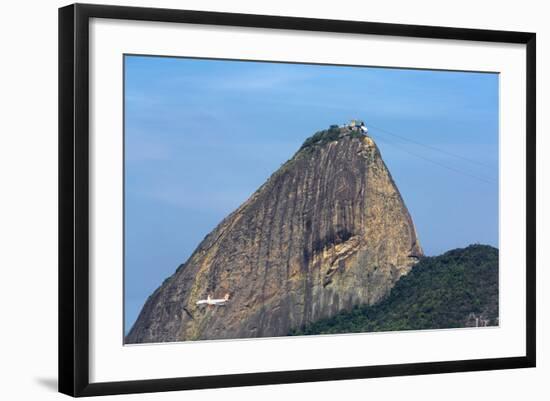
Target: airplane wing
[202,301]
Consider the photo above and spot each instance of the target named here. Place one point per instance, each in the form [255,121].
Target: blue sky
[202,135]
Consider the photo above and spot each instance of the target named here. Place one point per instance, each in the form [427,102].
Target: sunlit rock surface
[327,231]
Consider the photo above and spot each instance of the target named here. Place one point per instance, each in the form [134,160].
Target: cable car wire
[429,146]
[476,177]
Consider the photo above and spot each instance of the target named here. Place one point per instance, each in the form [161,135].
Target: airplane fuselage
[214,302]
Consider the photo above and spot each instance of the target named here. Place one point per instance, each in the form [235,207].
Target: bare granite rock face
[327,231]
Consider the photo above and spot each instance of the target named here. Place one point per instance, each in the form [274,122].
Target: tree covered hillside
[456,289]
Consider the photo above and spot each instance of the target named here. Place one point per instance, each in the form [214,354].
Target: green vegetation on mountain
[328,135]
[456,289]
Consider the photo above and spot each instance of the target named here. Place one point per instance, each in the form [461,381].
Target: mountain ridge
[328,230]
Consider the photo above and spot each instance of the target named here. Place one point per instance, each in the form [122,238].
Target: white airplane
[214,302]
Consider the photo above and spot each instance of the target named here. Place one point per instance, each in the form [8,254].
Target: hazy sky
[202,135]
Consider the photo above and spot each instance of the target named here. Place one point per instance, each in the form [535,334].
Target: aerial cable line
[430,146]
[482,179]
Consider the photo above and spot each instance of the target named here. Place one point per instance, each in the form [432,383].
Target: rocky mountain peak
[328,231]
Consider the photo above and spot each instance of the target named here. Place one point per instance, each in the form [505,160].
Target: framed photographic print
[251,199]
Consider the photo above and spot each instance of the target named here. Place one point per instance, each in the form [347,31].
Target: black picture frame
[74,198]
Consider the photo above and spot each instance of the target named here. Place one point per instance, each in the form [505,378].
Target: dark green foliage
[322,137]
[325,136]
[439,292]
